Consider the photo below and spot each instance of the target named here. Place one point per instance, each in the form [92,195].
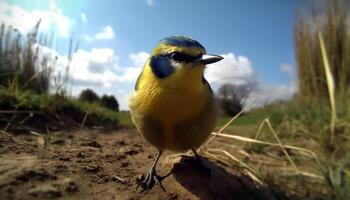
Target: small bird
[173,105]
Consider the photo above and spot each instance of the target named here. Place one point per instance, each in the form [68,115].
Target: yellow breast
[174,99]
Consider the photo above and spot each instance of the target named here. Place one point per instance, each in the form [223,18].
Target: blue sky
[255,36]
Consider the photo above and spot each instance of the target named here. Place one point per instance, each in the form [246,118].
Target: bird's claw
[151,179]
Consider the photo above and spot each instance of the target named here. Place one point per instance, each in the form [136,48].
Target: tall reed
[22,61]
[332,21]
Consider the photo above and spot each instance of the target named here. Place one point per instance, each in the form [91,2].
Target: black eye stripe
[181,57]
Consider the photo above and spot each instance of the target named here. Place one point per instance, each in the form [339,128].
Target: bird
[173,106]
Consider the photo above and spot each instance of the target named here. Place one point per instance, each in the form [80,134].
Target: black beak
[208,59]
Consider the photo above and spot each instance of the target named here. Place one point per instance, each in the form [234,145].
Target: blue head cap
[160,61]
[180,40]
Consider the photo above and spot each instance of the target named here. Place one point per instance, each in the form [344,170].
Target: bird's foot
[151,179]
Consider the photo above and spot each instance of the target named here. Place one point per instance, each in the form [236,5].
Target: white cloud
[95,67]
[232,69]
[87,68]
[106,33]
[25,20]
[238,70]
[83,18]
[99,70]
[99,59]
[266,94]
[139,59]
[287,68]
[130,74]
[150,2]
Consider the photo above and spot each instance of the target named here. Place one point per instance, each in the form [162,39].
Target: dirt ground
[92,164]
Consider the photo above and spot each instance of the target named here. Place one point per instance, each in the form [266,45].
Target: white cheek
[175,64]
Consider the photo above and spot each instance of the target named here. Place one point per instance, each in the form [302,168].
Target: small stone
[131,152]
[80,154]
[124,164]
[92,168]
[140,178]
[173,196]
[67,185]
[120,143]
[92,143]
[117,178]
[64,158]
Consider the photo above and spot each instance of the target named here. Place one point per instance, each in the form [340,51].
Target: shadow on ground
[219,184]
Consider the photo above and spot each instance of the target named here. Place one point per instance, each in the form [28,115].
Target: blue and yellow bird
[173,106]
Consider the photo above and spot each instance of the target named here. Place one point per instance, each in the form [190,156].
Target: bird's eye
[177,56]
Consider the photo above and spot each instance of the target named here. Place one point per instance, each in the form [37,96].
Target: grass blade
[330,84]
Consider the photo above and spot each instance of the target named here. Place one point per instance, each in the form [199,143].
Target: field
[105,164]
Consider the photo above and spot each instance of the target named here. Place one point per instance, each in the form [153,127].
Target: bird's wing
[205,82]
[138,81]
[193,132]
[151,129]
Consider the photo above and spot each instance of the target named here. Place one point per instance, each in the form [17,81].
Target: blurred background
[286,66]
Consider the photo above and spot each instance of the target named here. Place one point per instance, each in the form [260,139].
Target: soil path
[98,165]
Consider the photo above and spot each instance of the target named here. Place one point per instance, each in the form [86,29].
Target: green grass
[248,120]
[125,119]
[53,109]
[251,120]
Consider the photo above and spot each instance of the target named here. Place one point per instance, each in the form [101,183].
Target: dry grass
[311,174]
[283,147]
[330,84]
[332,23]
[25,66]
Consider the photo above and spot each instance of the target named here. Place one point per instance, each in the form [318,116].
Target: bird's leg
[198,159]
[152,177]
[200,164]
